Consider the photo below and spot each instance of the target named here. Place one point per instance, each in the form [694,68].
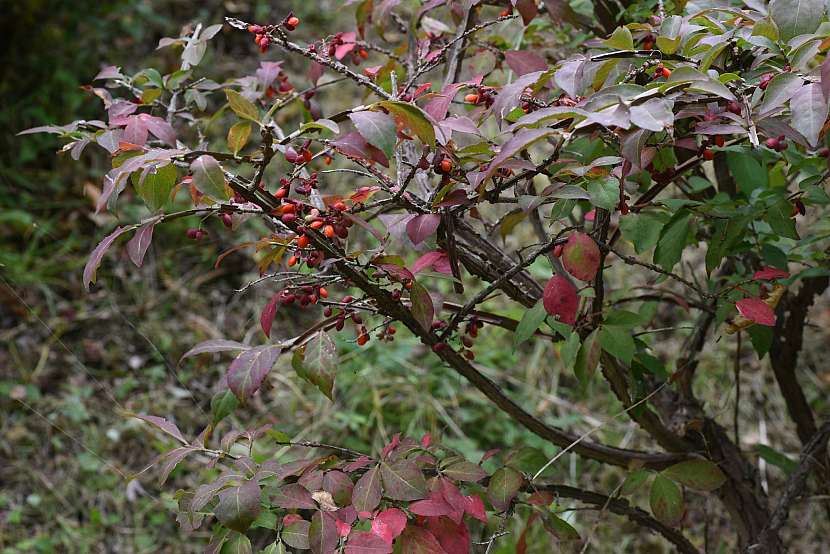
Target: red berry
[439,346]
[719,140]
[446,165]
[734,108]
[292,22]
[708,154]
[292,261]
[227,220]
[772,143]
[302,241]
[471,98]
[328,230]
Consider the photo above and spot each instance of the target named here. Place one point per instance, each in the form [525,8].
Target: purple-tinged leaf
[171,459]
[430,259]
[569,77]
[266,318]
[430,507]
[581,256]
[315,71]
[248,369]
[503,487]
[757,311]
[464,471]
[510,95]
[365,224]
[422,308]
[98,254]
[293,497]
[363,542]
[108,72]
[418,540]
[316,362]
[397,272]
[654,115]
[781,88]
[523,62]
[119,111]
[160,129]
[323,535]
[339,485]
[518,142]
[136,131]
[527,9]
[138,245]
[214,345]
[439,104]
[239,506]
[164,425]
[422,226]
[825,78]
[560,299]
[367,491]
[295,533]
[378,129]
[560,10]
[403,480]
[810,112]
[453,536]
[460,124]
[346,46]
[267,72]
[353,144]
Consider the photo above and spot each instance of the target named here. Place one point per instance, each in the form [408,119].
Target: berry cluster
[333,224]
[303,295]
[284,87]
[779,143]
[261,32]
[661,71]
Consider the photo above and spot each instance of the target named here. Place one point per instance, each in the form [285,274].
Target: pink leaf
[347,46]
[160,129]
[431,507]
[267,72]
[98,254]
[756,310]
[560,299]
[428,260]
[354,145]
[248,370]
[438,105]
[363,542]
[581,256]
[770,273]
[475,507]
[136,130]
[426,440]
[389,524]
[523,62]
[138,245]
[396,440]
[343,528]
[266,318]
[422,226]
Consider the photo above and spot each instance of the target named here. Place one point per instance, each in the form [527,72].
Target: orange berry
[328,230]
[292,261]
[316,224]
[288,209]
[324,293]
[363,53]
[666,73]
[363,339]
[446,165]
[302,241]
[471,98]
[292,22]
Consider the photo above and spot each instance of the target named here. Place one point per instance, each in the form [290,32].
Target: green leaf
[776,458]
[241,106]
[620,40]
[778,217]
[295,534]
[761,337]
[605,193]
[209,178]
[643,229]
[796,17]
[724,238]
[747,172]
[623,318]
[809,112]
[701,475]
[237,543]
[316,362]
[503,487]
[633,481]
[618,342]
[238,136]
[414,118]
[560,528]
[157,185]
[587,359]
[666,500]
[530,322]
[672,241]
[765,27]
[422,308]
[570,350]
[222,405]
[378,129]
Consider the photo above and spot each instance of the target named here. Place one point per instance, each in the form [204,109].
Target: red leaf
[770,273]
[454,498]
[360,463]
[248,370]
[581,256]
[560,299]
[347,45]
[523,62]
[354,145]
[453,537]
[417,540]
[527,9]
[293,497]
[396,440]
[439,104]
[367,491]
[363,542]
[475,507]
[423,310]
[389,524]
[431,507]
[430,259]
[343,528]
[422,226]
[266,318]
[756,310]
[322,535]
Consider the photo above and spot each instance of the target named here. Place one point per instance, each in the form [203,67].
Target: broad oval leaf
[581,256]
[295,534]
[389,524]
[367,491]
[364,542]
[809,112]
[403,480]
[319,363]
[796,17]
[208,177]
[239,506]
[757,311]
[248,370]
[414,118]
[503,487]
[422,308]
[560,299]
[666,500]
[701,475]
[378,129]
[419,227]
[322,534]
[238,136]
[464,471]
[293,497]
[241,106]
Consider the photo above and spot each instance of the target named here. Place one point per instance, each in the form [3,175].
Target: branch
[622,507]
[810,456]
